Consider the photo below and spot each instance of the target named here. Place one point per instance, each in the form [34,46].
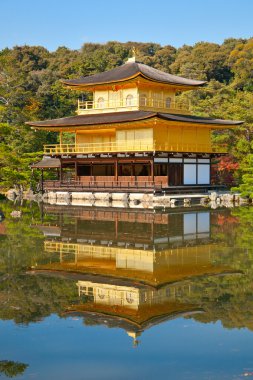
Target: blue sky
[53,23]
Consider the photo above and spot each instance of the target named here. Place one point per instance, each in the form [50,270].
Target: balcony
[131,146]
[133,104]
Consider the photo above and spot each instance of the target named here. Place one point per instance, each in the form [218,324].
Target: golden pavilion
[133,135]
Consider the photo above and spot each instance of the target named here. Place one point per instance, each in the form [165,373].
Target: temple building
[132,135]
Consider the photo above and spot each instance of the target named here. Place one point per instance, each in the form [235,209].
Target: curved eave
[215,123]
[78,85]
[130,324]
[77,82]
[102,119]
[82,121]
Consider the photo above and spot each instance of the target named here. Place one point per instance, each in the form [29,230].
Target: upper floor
[130,87]
[133,99]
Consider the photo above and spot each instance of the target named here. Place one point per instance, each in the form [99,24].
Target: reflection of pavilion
[133,227]
[134,270]
[133,307]
[154,268]
[152,248]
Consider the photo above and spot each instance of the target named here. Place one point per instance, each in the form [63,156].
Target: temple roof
[121,320]
[131,70]
[47,162]
[129,116]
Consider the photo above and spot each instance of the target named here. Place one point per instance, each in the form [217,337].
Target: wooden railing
[108,147]
[145,103]
[131,146]
[102,185]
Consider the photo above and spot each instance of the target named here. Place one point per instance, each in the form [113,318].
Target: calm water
[93,293]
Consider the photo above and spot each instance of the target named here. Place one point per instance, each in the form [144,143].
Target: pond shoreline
[212,199]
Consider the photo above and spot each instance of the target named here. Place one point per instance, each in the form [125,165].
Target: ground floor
[159,172]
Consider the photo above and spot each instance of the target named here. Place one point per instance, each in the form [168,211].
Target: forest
[31,89]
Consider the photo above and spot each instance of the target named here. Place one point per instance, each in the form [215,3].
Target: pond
[103,293]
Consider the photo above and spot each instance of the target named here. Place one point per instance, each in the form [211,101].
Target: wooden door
[175,174]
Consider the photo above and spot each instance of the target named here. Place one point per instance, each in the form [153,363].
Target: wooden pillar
[152,169]
[41,206]
[75,170]
[76,254]
[168,172]
[60,138]
[116,170]
[152,231]
[42,181]
[116,228]
[60,172]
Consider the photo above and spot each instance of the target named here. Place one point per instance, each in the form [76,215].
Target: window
[101,293]
[160,169]
[103,170]
[125,170]
[203,222]
[84,170]
[129,100]
[100,102]
[168,102]
[190,174]
[142,170]
[129,297]
[203,174]
[143,100]
[144,297]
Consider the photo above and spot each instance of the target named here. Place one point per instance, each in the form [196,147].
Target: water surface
[102,293]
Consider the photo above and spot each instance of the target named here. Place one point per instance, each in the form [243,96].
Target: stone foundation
[141,200]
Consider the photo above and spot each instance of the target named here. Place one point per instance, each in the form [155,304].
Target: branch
[3,100]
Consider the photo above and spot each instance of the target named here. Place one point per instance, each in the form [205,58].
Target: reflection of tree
[21,245]
[25,297]
[28,298]
[227,299]
[245,226]
[12,369]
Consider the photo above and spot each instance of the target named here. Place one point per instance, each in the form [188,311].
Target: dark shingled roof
[198,119]
[129,324]
[120,117]
[47,163]
[49,230]
[132,70]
